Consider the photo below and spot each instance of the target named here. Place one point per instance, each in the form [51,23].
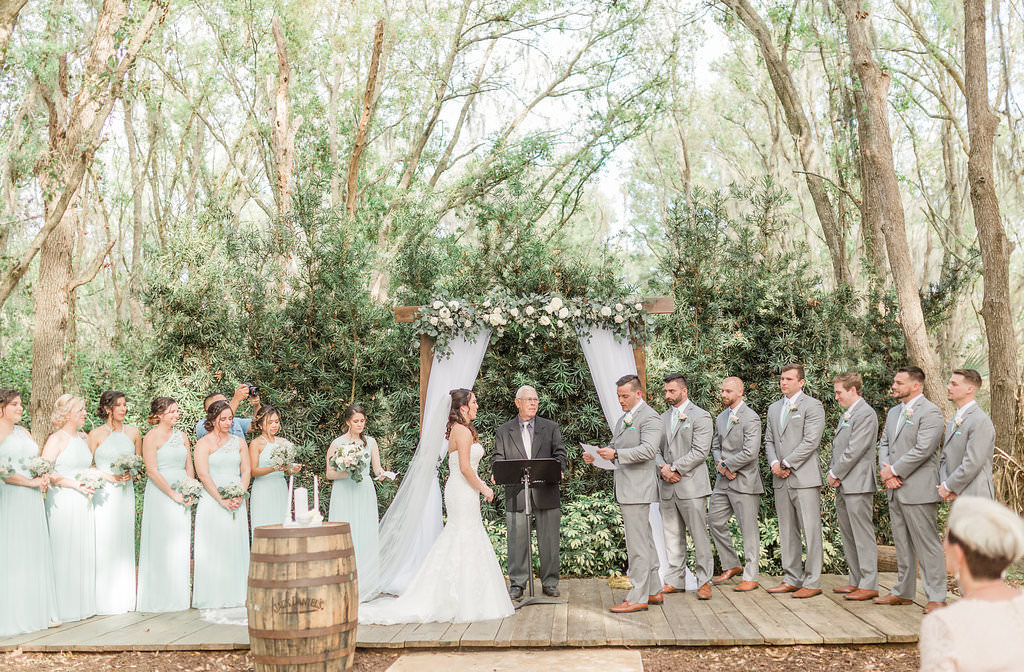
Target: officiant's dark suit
[545,441]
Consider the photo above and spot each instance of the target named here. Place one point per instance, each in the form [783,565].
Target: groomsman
[738,488]
[635,443]
[852,474]
[908,454]
[791,440]
[527,437]
[966,464]
[685,486]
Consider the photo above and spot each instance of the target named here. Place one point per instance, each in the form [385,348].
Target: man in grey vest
[527,437]
[965,467]
[908,454]
[685,486]
[792,438]
[635,442]
[738,488]
[852,474]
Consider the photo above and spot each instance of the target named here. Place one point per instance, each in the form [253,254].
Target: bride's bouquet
[189,488]
[350,458]
[128,463]
[92,478]
[6,469]
[38,466]
[233,491]
[283,456]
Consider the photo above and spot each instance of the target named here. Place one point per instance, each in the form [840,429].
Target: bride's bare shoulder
[459,436]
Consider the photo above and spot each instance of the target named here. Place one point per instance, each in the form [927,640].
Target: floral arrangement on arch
[545,315]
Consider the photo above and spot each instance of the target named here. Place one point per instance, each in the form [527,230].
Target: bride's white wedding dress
[460,580]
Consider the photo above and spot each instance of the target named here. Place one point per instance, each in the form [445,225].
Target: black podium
[526,472]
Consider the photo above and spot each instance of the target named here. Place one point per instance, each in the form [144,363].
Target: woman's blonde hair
[991,535]
[62,408]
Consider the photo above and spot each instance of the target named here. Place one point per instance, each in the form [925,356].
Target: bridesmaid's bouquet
[92,478]
[38,466]
[283,456]
[6,470]
[128,463]
[351,458]
[233,491]
[189,488]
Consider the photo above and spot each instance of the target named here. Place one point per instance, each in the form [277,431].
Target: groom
[531,437]
[635,443]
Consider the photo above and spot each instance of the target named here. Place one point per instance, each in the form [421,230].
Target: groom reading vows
[635,443]
[530,437]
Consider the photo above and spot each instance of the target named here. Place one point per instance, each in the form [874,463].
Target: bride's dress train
[460,580]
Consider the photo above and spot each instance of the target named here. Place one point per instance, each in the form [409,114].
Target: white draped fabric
[609,359]
[413,521]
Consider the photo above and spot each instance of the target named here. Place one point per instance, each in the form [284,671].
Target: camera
[254,390]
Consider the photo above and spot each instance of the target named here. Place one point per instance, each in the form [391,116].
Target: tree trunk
[284,127]
[996,308]
[877,160]
[9,10]
[363,130]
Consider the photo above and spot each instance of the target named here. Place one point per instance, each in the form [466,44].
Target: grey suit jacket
[798,443]
[853,450]
[687,451]
[636,446]
[738,445]
[966,462]
[913,451]
[547,443]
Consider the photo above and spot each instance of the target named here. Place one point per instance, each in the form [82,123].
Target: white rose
[606,311]
[577,312]
[494,320]
[433,320]
[449,322]
[619,307]
[560,324]
[514,311]
[445,313]
[638,306]
[487,303]
[437,305]
[556,303]
[619,319]
[454,305]
[563,313]
[544,320]
[530,310]
[467,324]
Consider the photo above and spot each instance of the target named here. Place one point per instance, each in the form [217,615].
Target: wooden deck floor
[729,618]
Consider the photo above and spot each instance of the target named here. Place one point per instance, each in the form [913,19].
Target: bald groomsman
[685,486]
[852,474]
[738,488]
[908,454]
[791,441]
[965,467]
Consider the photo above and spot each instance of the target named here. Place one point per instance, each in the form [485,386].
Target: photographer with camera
[240,426]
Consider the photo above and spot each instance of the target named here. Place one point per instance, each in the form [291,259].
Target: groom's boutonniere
[682,415]
[627,421]
[846,417]
[734,419]
[958,421]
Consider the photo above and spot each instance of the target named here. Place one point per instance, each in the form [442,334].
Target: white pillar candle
[301,503]
[288,517]
[316,495]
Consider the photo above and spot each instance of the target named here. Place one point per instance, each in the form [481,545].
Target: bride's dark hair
[460,397]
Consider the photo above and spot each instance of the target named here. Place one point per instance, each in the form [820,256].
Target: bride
[460,580]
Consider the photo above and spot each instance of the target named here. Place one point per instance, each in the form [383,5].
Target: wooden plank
[376,636]
[426,635]
[612,627]
[898,624]
[504,634]
[426,362]
[835,624]
[453,635]
[743,631]
[659,305]
[406,313]
[886,580]
[775,623]
[154,634]
[707,613]
[21,640]
[481,633]
[686,628]
[404,632]
[657,620]
[214,637]
[560,620]
[77,636]
[585,621]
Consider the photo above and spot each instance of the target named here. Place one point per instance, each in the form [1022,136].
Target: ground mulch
[865,658]
[162,661]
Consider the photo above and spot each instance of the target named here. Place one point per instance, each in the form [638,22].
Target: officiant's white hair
[524,388]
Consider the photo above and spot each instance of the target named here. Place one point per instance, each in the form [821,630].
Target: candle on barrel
[301,505]
[316,495]
[288,517]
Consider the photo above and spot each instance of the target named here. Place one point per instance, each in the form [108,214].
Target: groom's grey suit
[684,505]
[966,464]
[853,463]
[636,487]
[912,448]
[798,497]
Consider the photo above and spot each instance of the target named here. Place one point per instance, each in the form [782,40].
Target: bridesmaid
[115,507]
[164,553]
[269,490]
[222,530]
[356,503]
[26,563]
[70,513]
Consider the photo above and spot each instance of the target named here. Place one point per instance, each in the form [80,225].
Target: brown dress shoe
[744,586]
[628,607]
[782,588]
[893,600]
[842,590]
[727,574]
[667,588]
[933,606]
[657,598]
[704,592]
[804,593]
[861,594]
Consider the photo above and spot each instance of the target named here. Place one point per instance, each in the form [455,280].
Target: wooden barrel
[303,598]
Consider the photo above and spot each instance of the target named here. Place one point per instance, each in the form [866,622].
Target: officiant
[526,437]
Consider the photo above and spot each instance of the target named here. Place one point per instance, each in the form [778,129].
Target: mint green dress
[269,499]
[222,539]
[164,554]
[356,504]
[114,507]
[28,601]
[72,536]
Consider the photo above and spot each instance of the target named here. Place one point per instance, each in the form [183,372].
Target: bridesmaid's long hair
[460,397]
[262,418]
[213,412]
[107,401]
[157,408]
[350,411]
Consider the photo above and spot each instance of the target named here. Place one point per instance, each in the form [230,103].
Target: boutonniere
[628,420]
[908,413]
[682,416]
[734,419]
[846,417]
[958,421]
